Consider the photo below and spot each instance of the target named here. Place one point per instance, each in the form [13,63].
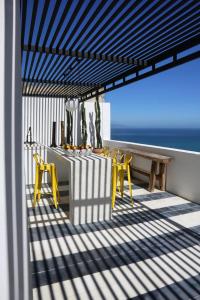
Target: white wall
[183,175]
[39,113]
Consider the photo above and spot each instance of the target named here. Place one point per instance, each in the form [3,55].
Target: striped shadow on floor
[142,253]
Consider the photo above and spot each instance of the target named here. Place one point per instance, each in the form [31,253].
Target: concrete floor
[150,251]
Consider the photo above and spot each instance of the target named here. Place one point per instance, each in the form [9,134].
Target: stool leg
[162,176]
[122,183]
[152,179]
[50,171]
[118,182]
[129,183]
[114,185]
[54,192]
[39,184]
[58,194]
[36,186]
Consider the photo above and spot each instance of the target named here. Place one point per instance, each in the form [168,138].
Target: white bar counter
[89,179]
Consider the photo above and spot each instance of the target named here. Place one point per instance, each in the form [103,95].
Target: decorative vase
[97,150]
[62,133]
[54,135]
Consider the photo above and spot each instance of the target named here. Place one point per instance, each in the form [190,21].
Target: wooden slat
[149,155]
[141,171]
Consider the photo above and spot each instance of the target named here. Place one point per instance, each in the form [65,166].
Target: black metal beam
[48,89]
[70,21]
[137,76]
[130,26]
[174,36]
[149,36]
[93,16]
[158,58]
[85,55]
[152,20]
[154,53]
[23,19]
[43,96]
[129,14]
[62,83]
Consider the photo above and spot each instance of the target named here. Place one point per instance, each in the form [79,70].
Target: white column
[14,254]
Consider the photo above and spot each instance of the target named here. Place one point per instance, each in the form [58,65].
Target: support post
[162,176]
[152,180]
[14,250]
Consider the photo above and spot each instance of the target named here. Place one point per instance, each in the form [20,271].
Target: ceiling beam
[62,83]
[138,76]
[42,96]
[158,58]
[86,55]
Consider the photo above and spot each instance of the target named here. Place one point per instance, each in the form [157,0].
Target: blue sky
[170,99]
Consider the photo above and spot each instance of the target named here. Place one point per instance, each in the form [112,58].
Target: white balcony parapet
[183,174]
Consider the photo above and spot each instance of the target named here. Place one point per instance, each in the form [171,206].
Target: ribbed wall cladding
[39,113]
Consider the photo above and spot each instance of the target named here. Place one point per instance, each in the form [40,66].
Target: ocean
[187,139]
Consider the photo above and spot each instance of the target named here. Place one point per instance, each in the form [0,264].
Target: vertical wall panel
[39,113]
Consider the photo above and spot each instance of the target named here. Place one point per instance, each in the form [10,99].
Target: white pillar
[14,254]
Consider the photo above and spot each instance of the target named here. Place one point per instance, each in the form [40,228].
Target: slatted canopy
[83,48]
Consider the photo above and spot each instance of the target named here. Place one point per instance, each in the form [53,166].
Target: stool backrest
[128,158]
[106,151]
[117,155]
[113,155]
[38,158]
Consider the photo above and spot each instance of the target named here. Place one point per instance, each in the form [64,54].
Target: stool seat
[120,166]
[46,167]
[42,167]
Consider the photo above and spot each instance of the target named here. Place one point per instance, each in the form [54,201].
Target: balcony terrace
[53,52]
[149,251]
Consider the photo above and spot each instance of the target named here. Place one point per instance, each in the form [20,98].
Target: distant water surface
[187,139]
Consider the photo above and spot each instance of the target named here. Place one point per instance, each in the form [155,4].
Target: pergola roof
[83,48]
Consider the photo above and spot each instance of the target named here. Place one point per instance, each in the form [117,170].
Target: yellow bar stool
[119,170]
[42,167]
[117,156]
[106,151]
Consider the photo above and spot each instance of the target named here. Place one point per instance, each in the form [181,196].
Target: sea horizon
[178,138]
